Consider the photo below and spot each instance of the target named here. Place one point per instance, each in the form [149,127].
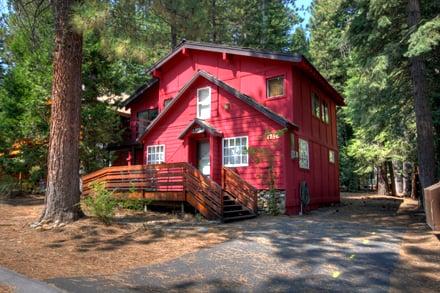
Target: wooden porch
[234,199]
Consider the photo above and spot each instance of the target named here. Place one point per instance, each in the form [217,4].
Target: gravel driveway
[353,247]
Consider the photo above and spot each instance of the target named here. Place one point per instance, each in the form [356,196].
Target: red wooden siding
[239,120]
[248,75]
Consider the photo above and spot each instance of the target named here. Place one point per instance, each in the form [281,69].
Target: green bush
[134,204]
[101,203]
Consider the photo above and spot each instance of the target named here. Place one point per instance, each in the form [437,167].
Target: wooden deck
[179,182]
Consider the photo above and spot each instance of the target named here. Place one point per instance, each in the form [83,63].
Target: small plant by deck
[101,203]
[266,155]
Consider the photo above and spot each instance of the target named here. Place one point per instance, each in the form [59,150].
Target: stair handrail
[208,192]
[242,191]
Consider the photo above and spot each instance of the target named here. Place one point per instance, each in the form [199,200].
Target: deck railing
[239,189]
[173,178]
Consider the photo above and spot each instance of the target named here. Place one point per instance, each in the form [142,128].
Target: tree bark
[392,181]
[383,186]
[415,183]
[397,167]
[407,175]
[62,193]
[213,21]
[424,125]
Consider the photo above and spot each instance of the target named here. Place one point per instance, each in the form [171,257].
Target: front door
[203,161]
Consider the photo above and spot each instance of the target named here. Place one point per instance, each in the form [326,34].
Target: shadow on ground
[353,246]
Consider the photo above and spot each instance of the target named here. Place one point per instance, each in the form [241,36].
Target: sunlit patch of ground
[376,242]
[6,289]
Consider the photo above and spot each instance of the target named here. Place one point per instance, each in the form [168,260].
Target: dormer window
[275,87]
[204,103]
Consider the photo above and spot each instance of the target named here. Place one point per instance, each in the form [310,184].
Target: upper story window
[275,87]
[204,103]
[235,151]
[155,154]
[304,161]
[144,118]
[167,102]
[316,106]
[325,113]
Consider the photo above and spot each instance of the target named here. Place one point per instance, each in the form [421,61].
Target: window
[316,107]
[204,103]
[331,156]
[303,154]
[275,87]
[235,151]
[325,114]
[144,118]
[155,154]
[167,102]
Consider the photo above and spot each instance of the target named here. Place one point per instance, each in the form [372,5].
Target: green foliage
[361,47]
[101,203]
[134,204]
[299,42]
[425,39]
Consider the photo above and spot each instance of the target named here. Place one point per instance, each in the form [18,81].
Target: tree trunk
[383,186]
[62,193]
[213,21]
[397,167]
[392,180]
[414,184]
[173,36]
[407,175]
[424,125]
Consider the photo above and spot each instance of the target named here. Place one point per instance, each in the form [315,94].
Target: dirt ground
[6,289]
[88,247]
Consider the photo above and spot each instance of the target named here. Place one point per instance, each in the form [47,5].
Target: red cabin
[269,116]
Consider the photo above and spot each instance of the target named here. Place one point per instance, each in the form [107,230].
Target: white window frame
[155,146]
[301,143]
[267,86]
[241,155]
[332,156]
[208,103]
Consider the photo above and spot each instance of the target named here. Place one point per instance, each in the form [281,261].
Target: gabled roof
[244,98]
[203,124]
[211,47]
[139,92]
[296,59]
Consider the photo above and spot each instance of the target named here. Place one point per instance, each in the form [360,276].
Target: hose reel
[304,195]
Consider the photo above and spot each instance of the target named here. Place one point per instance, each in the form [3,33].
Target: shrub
[134,204]
[101,203]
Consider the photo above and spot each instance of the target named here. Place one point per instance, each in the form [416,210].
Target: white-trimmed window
[204,103]
[304,162]
[331,156]
[155,154]
[235,151]
[275,87]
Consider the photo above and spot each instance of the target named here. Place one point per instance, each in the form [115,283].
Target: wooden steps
[233,211]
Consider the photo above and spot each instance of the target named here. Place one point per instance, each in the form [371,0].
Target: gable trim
[207,127]
[142,89]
